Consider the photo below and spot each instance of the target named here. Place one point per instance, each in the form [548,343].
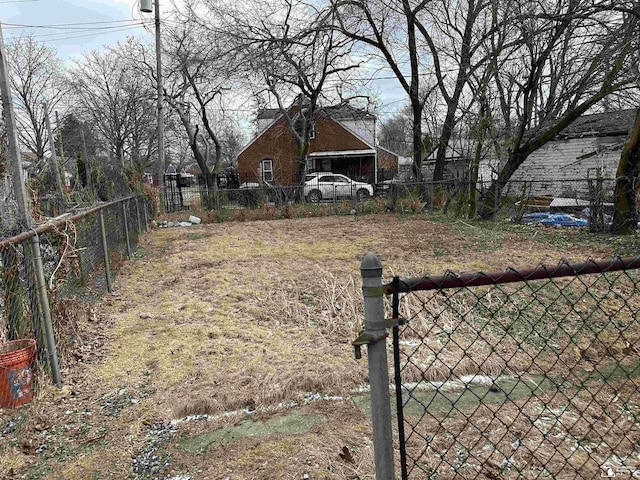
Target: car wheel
[362,195]
[314,196]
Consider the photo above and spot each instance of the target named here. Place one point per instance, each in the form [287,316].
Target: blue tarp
[554,219]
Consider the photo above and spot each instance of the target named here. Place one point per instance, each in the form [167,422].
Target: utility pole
[13,152]
[145,6]
[160,102]
[54,159]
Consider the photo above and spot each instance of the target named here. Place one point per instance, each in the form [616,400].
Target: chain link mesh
[73,260]
[533,379]
[589,199]
[18,293]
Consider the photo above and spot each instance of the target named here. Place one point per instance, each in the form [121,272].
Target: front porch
[359,165]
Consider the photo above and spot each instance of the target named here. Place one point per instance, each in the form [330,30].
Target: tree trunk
[443,142]
[492,199]
[473,179]
[416,109]
[481,131]
[120,156]
[625,215]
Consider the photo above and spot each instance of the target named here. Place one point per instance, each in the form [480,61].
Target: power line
[67,36]
[62,25]
[19,1]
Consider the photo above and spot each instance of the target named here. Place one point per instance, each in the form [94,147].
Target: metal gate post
[376,334]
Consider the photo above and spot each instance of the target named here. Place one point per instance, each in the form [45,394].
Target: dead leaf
[346,455]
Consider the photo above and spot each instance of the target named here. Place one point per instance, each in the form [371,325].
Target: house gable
[331,135]
[275,143]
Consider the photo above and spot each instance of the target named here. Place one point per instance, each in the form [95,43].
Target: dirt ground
[224,351]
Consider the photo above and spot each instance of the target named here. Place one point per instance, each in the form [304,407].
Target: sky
[74,27]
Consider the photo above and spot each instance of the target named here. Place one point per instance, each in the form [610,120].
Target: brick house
[342,141]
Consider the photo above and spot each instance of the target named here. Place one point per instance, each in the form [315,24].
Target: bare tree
[387,32]
[456,34]
[625,218]
[294,58]
[35,73]
[572,56]
[197,75]
[115,101]
[395,133]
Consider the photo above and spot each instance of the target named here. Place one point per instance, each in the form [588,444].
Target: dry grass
[547,435]
[230,316]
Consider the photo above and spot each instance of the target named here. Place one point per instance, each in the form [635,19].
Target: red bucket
[16,359]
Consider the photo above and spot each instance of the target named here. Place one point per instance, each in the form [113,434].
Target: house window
[266,170]
[311,127]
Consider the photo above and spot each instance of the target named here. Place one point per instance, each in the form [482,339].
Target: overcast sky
[73,27]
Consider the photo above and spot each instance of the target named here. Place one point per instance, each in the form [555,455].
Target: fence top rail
[50,225]
[511,275]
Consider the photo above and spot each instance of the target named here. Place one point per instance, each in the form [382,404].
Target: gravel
[148,464]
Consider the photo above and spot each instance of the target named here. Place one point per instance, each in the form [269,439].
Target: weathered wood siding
[561,167]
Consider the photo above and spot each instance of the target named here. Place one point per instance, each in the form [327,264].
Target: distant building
[342,141]
[589,147]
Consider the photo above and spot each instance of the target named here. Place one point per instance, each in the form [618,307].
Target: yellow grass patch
[93,464]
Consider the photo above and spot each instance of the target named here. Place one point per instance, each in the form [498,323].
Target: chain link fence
[48,275]
[520,374]
[588,201]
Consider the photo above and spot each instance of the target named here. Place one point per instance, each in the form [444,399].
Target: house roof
[342,112]
[342,153]
[606,124]
[268,113]
[346,112]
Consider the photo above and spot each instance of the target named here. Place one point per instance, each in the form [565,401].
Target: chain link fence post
[146,215]
[126,226]
[376,334]
[139,225]
[105,250]
[52,352]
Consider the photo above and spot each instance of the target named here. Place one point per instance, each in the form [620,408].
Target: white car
[327,186]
